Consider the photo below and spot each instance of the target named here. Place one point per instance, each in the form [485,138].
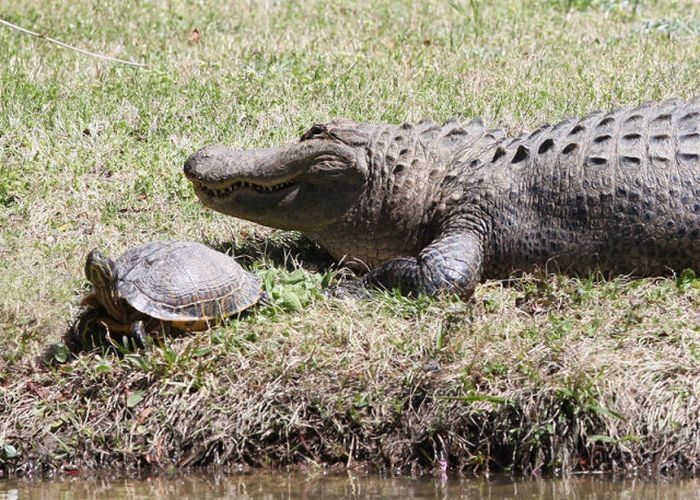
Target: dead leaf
[100,170]
[38,390]
[194,37]
[143,415]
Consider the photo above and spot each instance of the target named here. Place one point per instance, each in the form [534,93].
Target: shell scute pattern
[184,281]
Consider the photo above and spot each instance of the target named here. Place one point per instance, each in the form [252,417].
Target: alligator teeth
[248,185]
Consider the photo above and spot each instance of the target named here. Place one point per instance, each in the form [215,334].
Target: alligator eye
[315,132]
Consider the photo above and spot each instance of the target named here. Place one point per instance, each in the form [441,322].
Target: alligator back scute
[643,145]
[621,189]
[459,142]
[643,142]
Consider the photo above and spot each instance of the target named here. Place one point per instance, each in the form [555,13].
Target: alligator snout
[203,163]
[190,168]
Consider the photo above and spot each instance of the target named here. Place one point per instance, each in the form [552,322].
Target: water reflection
[280,485]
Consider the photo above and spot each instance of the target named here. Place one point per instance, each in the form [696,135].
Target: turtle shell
[184,281]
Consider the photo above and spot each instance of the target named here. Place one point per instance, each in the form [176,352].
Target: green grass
[554,373]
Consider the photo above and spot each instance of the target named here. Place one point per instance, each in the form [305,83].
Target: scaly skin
[431,209]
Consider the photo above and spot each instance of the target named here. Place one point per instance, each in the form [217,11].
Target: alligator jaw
[303,185]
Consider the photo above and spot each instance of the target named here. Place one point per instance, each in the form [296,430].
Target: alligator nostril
[189,168]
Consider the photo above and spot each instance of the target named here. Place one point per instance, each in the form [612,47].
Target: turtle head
[102,273]
[100,270]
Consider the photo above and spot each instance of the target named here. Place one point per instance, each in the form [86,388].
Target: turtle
[181,285]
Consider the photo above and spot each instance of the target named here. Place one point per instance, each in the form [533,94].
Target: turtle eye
[316,132]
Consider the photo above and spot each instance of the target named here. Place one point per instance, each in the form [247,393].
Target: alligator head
[305,185]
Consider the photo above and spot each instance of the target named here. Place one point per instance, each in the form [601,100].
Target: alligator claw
[355,289]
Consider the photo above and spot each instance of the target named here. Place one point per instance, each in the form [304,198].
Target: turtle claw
[265,299]
[140,337]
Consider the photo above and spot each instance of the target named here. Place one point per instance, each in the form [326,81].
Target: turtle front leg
[91,329]
[450,264]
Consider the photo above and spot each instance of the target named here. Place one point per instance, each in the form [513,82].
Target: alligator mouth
[220,192]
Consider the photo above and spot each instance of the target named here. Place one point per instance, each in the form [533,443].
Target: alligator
[431,208]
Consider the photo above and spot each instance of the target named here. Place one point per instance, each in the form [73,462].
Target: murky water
[276,485]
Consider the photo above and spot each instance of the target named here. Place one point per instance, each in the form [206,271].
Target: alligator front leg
[450,264]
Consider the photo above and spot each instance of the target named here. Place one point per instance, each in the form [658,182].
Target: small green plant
[406,307]
[292,291]
[7,452]
[687,280]
[10,184]
[672,27]
[56,354]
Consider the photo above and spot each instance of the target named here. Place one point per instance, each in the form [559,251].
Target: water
[280,485]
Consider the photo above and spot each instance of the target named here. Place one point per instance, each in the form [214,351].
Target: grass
[554,373]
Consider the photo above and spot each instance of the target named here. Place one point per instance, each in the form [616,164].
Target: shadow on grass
[87,333]
[289,250]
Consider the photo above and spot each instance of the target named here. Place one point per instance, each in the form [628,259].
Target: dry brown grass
[577,376]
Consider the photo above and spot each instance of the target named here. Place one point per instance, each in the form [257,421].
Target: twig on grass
[71,47]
